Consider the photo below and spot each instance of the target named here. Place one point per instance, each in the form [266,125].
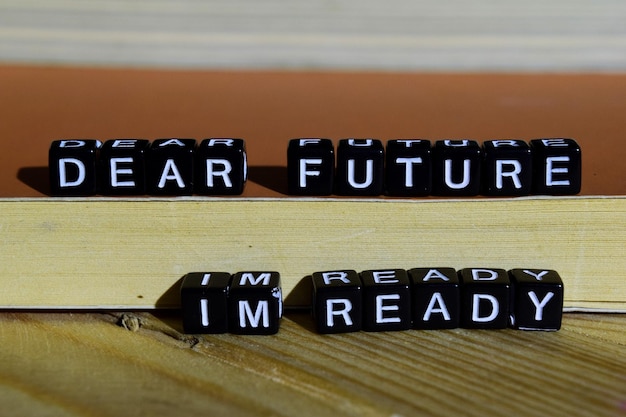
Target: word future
[437,298]
[83,167]
[243,303]
[449,168]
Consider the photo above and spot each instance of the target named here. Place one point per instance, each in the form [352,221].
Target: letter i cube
[204,302]
[221,167]
[310,166]
[537,299]
[337,301]
[255,303]
[72,165]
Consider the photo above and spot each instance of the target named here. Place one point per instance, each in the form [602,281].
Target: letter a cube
[255,303]
[485,298]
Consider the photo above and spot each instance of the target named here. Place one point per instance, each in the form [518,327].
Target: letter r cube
[337,305]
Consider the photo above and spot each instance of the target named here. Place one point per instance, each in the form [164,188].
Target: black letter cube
[360,167]
[123,167]
[337,301]
[435,298]
[537,299]
[456,167]
[255,303]
[556,166]
[386,300]
[485,298]
[507,168]
[221,167]
[72,166]
[310,166]
[408,167]
[204,302]
[170,167]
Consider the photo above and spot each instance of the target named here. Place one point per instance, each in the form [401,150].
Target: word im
[437,298]
[412,167]
[243,303]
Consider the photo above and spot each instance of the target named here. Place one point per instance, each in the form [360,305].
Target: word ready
[412,167]
[83,167]
[243,303]
[437,298]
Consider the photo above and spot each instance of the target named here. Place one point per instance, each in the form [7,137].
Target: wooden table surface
[112,364]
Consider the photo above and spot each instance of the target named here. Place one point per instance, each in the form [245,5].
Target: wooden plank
[85,365]
[131,253]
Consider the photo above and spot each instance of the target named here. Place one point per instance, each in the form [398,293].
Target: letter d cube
[485,298]
[72,165]
[255,303]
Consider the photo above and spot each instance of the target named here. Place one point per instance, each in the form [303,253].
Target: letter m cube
[255,303]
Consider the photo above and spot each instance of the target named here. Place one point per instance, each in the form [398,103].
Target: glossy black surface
[506,168]
[557,166]
[386,300]
[255,303]
[72,167]
[360,167]
[408,167]
[204,302]
[435,298]
[122,166]
[310,166]
[170,167]
[537,299]
[485,298]
[456,167]
[220,167]
[337,301]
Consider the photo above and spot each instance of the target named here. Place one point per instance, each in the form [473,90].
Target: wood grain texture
[132,253]
[85,365]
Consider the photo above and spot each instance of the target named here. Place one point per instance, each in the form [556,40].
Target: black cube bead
[485,298]
[456,167]
[170,164]
[557,166]
[204,302]
[337,301]
[386,300]
[221,167]
[537,299]
[507,168]
[310,166]
[360,167]
[408,167]
[123,167]
[72,164]
[435,298]
[255,303]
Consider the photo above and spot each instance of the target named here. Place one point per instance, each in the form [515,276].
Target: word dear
[437,298]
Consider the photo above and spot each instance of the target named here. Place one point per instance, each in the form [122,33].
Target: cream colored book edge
[131,253]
